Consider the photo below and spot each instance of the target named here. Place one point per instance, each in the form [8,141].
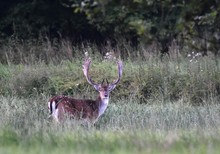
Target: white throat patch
[103,106]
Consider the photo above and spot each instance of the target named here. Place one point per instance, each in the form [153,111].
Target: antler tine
[86,66]
[103,81]
[107,81]
[120,68]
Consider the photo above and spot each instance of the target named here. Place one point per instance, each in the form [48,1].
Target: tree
[32,19]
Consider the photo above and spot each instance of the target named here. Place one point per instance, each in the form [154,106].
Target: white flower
[86,53]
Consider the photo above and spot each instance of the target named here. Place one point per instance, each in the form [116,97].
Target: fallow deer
[85,109]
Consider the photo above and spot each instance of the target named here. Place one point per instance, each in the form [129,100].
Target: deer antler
[120,68]
[86,66]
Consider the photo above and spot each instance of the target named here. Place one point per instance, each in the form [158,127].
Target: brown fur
[76,108]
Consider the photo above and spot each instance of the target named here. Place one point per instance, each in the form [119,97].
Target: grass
[168,106]
[143,80]
[126,127]
[115,142]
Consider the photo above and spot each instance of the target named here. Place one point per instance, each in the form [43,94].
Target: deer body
[86,109]
[90,110]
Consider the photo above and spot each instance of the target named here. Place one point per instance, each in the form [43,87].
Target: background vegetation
[159,106]
[187,23]
[167,100]
[145,77]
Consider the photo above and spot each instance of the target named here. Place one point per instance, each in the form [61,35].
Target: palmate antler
[120,68]
[86,66]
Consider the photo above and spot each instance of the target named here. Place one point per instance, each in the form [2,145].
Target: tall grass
[159,106]
[195,83]
[126,127]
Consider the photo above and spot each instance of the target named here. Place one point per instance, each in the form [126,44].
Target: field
[127,127]
[160,106]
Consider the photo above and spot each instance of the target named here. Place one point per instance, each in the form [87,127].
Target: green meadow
[126,127]
[159,106]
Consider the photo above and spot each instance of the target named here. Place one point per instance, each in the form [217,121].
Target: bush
[144,79]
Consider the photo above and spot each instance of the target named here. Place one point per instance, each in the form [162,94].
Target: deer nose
[106,95]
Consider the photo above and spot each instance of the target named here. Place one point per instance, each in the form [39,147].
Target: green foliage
[56,68]
[136,21]
[36,19]
[144,78]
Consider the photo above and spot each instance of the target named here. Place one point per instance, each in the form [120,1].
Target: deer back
[74,108]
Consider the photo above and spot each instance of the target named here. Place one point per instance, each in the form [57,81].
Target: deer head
[103,88]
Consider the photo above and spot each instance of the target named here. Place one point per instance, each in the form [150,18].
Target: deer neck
[102,104]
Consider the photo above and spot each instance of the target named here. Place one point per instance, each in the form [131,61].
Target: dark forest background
[192,23]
